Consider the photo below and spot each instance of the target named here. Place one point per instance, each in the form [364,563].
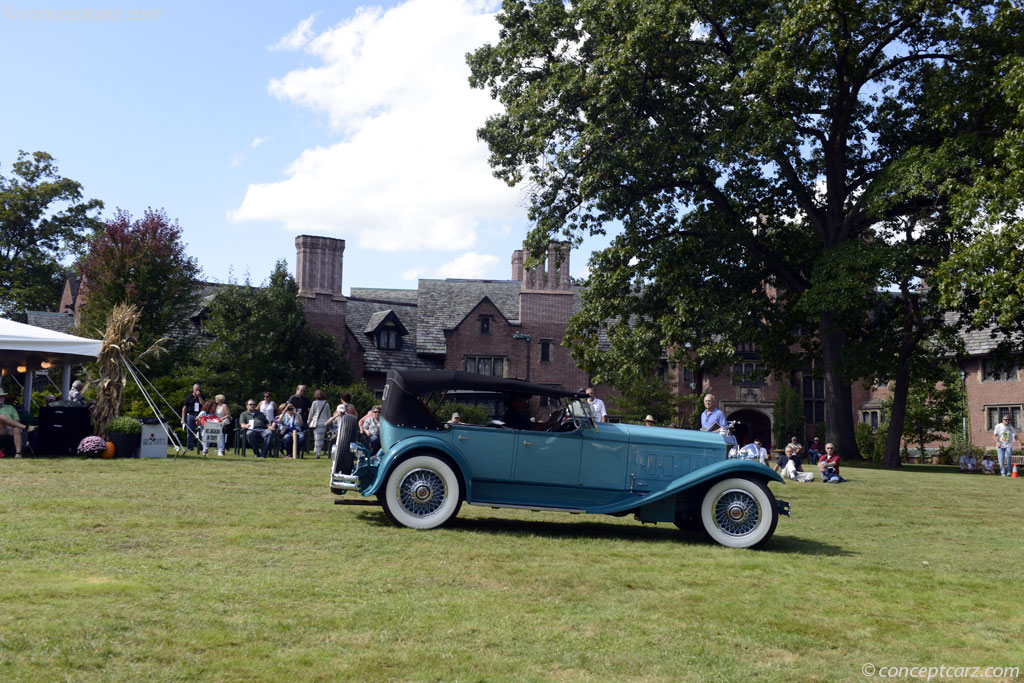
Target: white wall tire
[739,513]
[422,492]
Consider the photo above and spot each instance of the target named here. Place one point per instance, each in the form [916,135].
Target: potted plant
[126,433]
[92,446]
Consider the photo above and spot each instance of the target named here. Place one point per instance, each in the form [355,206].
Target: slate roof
[444,303]
[360,314]
[58,322]
[403,296]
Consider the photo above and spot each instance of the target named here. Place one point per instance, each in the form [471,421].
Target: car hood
[640,435]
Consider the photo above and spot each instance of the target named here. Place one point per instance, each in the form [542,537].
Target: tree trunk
[900,389]
[838,402]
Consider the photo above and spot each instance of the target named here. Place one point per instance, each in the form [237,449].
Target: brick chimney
[318,269]
[546,291]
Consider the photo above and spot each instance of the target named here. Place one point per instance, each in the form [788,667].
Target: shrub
[474,415]
[124,425]
[864,435]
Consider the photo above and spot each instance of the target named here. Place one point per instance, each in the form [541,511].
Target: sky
[252,124]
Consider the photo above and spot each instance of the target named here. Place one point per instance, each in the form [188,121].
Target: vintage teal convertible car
[544,451]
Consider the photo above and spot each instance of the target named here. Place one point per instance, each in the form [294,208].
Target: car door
[489,452]
[548,458]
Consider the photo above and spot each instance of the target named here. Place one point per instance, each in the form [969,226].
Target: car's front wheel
[739,513]
[422,492]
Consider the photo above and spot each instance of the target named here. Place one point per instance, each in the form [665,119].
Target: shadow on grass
[663,533]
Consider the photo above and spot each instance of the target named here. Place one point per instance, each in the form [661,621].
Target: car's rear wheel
[422,492]
[739,513]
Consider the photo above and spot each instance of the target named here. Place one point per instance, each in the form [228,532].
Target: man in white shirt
[754,451]
[1005,436]
[597,406]
[968,463]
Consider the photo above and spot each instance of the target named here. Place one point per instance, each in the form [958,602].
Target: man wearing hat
[814,450]
[649,420]
[10,423]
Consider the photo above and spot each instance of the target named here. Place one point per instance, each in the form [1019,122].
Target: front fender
[718,470]
[415,443]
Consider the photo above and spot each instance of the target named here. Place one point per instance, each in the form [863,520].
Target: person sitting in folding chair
[210,427]
[291,427]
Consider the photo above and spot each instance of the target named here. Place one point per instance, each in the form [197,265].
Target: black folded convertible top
[401,404]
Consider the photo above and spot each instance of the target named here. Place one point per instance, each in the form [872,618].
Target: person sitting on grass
[968,463]
[783,460]
[988,465]
[828,465]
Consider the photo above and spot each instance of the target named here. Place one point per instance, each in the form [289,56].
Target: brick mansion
[515,328]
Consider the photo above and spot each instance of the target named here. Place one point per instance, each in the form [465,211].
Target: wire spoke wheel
[739,513]
[422,492]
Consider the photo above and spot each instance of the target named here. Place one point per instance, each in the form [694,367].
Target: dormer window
[389,339]
[386,330]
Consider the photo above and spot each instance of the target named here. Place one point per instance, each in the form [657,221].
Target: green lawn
[234,569]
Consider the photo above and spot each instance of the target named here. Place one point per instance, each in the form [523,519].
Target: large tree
[262,341]
[43,222]
[140,262]
[765,161]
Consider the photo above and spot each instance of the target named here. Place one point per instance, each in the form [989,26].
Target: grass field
[234,569]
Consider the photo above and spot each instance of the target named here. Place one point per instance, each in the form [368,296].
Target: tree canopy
[43,222]
[143,263]
[263,342]
[786,163]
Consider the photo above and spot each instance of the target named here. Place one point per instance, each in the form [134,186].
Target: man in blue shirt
[712,419]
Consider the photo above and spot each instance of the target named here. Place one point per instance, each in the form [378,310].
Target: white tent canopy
[31,346]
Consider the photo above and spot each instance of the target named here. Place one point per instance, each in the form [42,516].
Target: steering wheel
[565,422]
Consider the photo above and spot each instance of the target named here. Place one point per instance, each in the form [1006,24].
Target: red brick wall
[981,394]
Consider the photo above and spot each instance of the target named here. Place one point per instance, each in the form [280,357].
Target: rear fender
[420,444]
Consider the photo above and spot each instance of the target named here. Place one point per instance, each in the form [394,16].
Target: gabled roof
[380,317]
[444,303]
[358,317]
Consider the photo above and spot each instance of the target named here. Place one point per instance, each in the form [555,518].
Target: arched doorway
[753,424]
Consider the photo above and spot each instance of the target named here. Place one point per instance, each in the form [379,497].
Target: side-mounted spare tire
[343,459]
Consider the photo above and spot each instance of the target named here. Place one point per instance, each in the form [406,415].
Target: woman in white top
[268,407]
[370,428]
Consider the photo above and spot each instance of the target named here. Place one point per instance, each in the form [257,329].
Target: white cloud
[298,36]
[408,172]
[257,141]
[470,265]
[414,273]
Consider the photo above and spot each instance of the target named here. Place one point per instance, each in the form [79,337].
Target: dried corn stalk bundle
[119,342]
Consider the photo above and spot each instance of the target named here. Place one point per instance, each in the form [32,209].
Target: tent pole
[65,380]
[26,393]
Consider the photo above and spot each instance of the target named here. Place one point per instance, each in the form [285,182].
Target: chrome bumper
[344,482]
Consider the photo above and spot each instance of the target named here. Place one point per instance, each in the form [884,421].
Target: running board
[528,507]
